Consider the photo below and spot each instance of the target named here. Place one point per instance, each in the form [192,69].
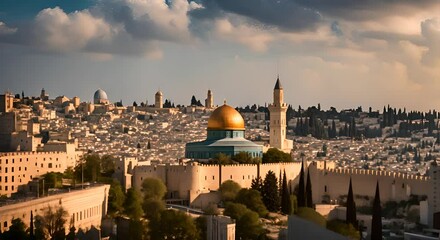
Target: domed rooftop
[100,95]
[225,118]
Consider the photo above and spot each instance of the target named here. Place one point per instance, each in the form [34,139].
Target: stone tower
[158,103]
[277,125]
[209,101]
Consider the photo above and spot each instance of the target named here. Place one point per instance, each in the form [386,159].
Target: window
[12,178]
[49,165]
[12,169]
[6,170]
[213,177]
[5,224]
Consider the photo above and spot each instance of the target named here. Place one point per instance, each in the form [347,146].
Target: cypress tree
[301,192]
[257,184]
[270,195]
[351,207]
[376,222]
[31,227]
[309,191]
[286,205]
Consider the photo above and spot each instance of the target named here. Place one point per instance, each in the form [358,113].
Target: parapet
[375,173]
[29,153]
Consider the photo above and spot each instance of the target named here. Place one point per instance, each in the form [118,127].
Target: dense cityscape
[219,120]
[144,157]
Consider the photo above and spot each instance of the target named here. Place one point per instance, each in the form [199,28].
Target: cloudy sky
[341,53]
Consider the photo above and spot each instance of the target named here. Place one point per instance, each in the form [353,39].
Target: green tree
[286,204]
[201,225]
[138,230]
[273,155]
[51,224]
[245,157]
[309,191]
[376,222]
[107,167]
[71,235]
[153,188]
[271,197]
[248,225]
[90,166]
[301,191]
[116,198]
[52,180]
[222,159]
[133,204]
[153,207]
[257,184]
[173,225]
[252,199]
[343,229]
[311,215]
[229,190]
[17,230]
[351,207]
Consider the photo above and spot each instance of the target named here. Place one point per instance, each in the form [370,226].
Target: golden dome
[225,118]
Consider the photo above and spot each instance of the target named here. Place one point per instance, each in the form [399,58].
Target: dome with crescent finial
[225,118]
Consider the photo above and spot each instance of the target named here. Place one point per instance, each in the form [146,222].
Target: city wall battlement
[11,154]
[376,173]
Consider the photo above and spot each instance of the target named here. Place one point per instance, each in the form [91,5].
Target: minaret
[278,111]
[209,102]
[158,103]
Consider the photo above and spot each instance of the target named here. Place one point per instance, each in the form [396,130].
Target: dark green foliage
[351,207]
[71,234]
[91,168]
[31,227]
[222,159]
[271,197]
[52,180]
[248,224]
[273,155]
[286,205]
[201,227]
[245,158]
[211,209]
[173,225]
[16,231]
[133,204]
[309,200]
[301,191]
[153,188]
[229,190]
[311,215]
[257,184]
[95,168]
[116,198]
[376,222]
[153,207]
[343,228]
[252,199]
[138,230]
